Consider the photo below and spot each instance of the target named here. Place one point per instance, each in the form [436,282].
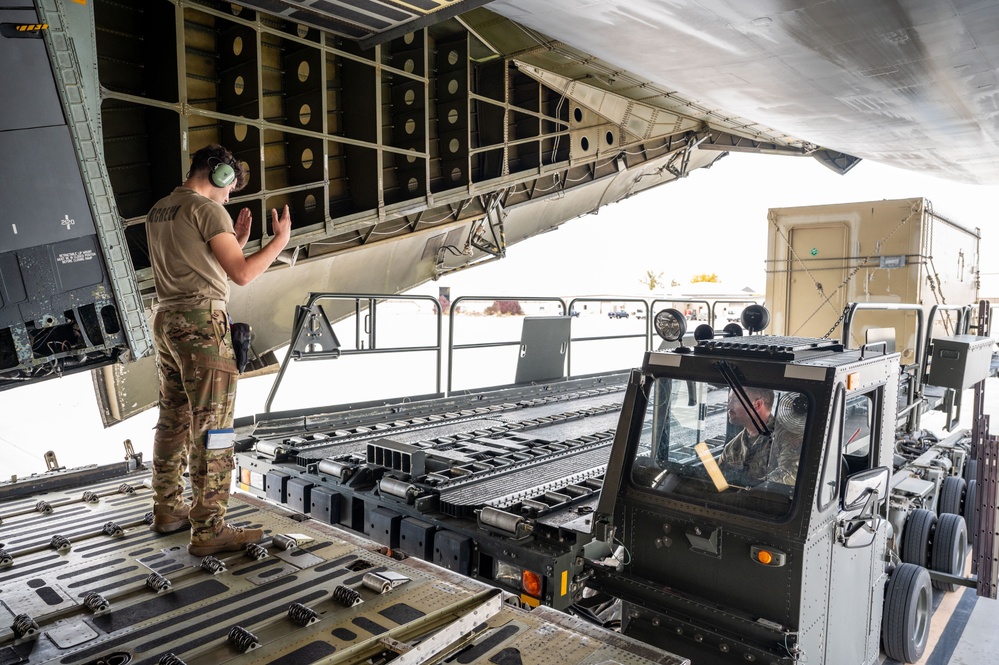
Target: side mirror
[863,493]
[860,485]
[860,533]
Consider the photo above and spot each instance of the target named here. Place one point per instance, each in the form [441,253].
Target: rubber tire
[970,502]
[970,470]
[916,537]
[905,621]
[950,549]
[951,495]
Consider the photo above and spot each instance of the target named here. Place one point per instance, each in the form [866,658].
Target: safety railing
[312,324]
[312,333]
[455,314]
[915,395]
[645,334]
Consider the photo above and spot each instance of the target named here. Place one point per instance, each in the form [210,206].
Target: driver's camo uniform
[749,459]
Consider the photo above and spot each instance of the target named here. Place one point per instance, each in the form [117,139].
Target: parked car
[617,314]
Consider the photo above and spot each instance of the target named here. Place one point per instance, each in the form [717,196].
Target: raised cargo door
[819,263]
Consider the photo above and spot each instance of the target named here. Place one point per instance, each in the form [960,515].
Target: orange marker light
[764,557]
[852,381]
[531,583]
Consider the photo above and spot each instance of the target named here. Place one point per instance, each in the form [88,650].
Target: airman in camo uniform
[195,249]
[750,457]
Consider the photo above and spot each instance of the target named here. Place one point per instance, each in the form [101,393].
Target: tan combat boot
[231,539]
[167,520]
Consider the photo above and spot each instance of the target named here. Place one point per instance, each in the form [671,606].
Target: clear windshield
[746,463]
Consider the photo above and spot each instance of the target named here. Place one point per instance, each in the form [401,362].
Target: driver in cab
[753,457]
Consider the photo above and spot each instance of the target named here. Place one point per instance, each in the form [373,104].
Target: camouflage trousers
[197,370]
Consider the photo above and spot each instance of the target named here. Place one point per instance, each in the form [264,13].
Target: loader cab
[754,538]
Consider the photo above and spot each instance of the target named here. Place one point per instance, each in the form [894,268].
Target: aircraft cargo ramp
[84,581]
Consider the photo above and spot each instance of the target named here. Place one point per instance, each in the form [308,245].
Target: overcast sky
[713,221]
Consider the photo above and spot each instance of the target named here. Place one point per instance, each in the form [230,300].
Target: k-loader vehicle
[767,499]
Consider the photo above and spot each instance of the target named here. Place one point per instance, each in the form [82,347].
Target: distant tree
[653,280]
[504,308]
[705,277]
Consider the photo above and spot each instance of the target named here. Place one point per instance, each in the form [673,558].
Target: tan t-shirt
[185,269]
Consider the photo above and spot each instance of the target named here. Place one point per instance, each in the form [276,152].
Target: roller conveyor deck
[417,477]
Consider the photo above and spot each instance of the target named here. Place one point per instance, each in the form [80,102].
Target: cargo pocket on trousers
[218,463]
[215,392]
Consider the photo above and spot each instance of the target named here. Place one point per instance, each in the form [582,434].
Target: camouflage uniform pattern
[749,459]
[197,369]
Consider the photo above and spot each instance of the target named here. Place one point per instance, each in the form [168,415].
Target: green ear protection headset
[222,174]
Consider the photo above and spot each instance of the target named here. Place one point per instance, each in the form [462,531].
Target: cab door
[856,567]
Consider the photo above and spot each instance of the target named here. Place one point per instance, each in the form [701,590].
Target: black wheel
[905,622]
[950,549]
[951,495]
[970,470]
[970,514]
[916,537]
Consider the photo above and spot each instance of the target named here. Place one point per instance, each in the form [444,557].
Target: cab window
[752,444]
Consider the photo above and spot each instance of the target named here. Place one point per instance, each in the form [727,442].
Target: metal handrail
[646,335]
[917,389]
[369,330]
[452,347]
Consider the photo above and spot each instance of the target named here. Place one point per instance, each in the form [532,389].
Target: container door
[819,264]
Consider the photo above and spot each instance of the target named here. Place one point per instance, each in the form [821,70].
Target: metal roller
[302,615]
[213,565]
[284,542]
[170,659]
[270,448]
[346,596]
[24,626]
[243,639]
[96,603]
[397,488]
[157,582]
[341,470]
[500,519]
[376,583]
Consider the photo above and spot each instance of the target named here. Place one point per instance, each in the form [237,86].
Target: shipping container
[822,258]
